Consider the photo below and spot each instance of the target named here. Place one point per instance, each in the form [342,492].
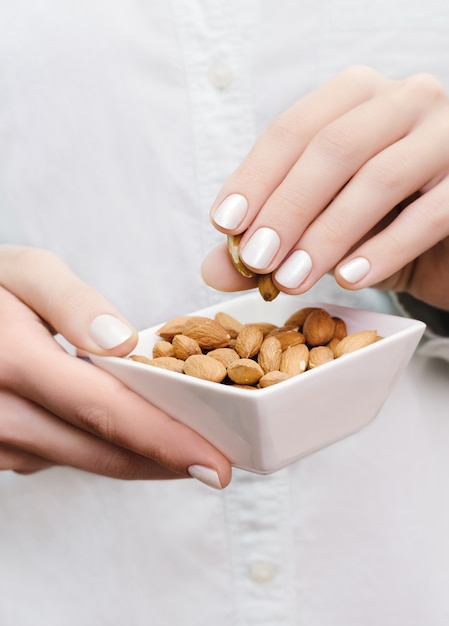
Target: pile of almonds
[254,355]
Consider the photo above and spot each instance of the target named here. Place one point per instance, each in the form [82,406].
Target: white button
[262,572]
[220,75]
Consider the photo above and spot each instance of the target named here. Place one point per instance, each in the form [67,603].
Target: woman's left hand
[354,179]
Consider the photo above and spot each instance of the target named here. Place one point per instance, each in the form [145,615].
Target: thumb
[72,308]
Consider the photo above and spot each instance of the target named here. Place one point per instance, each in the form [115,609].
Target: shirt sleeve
[436,337]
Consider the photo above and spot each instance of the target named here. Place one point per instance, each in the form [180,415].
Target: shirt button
[220,75]
[262,572]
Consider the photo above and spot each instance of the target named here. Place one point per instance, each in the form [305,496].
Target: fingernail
[294,270]
[231,211]
[355,270]
[261,248]
[206,475]
[108,331]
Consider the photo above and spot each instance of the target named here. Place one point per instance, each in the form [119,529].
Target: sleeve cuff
[436,337]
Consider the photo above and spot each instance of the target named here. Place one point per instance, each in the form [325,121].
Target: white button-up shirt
[119,121]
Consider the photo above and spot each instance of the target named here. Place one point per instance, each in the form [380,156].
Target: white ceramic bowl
[263,430]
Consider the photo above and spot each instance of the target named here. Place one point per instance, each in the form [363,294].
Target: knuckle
[290,200]
[77,298]
[337,141]
[424,85]
[364,76]
[330,229]
[121,464]
[97,419]
[251,176]
[384,173]
[433,213]
[284,130]
[393,244]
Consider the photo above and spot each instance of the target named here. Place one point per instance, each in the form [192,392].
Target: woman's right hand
[56,409]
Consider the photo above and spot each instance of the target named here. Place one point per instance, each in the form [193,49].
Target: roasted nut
[162,348]
[295,360]
[229,323]
[266,327]
[233,249]
[245,372]
[207,332]
[318,328]
[164,362]
[270,353]
[299,317]
[224,355]
[340,329]
[184,346]
[267,288]
[354,342]
[288,336]
[140,358]
[173,327]
[320,355]
[272,378]
[248,341]
[204,367]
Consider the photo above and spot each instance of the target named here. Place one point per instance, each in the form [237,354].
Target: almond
[207,332]
[173,327]
[266,327]
[224,355]
[272,378]
[184,346]
[162,348]
[333,343]
[233,249]
[340,329]
[166,363]
[288,336]
[299,317]
[267,288]
[204,367]
[354,342]
[294,360]
[248,341]
[245,372]
[318,328]
[269,357]
[228,322]
[140,358]
[320,355]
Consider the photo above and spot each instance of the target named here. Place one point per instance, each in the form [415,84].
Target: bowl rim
[410,325]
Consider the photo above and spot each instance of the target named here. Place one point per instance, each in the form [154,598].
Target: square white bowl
[265,429]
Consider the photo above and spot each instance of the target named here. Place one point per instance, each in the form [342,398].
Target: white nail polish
[261,248]
[355,270]
[231,211]
[206,475]
[294,270]
[108,331]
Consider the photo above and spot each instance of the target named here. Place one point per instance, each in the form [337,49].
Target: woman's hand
[351,179]
[56,409]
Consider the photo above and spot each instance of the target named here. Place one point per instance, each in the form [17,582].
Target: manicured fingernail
[294,270]
[355,270]
[261,248]
[231,211]
[108,331]
[206,475]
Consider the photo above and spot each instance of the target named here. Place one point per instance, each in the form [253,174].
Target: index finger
[283,142]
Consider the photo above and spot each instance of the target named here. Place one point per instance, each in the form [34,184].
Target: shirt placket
[216,43]
[216,39]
